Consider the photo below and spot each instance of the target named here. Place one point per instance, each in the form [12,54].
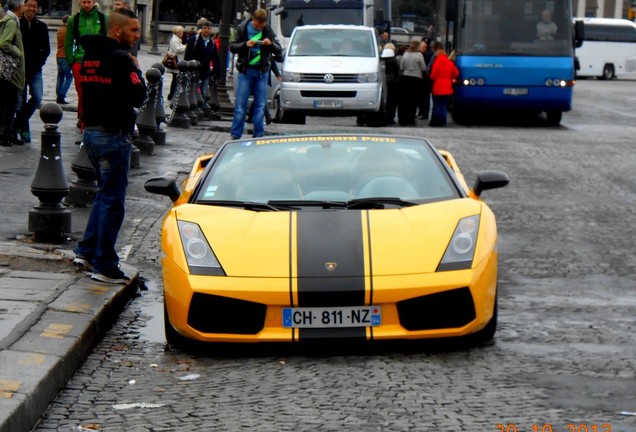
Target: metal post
[154,24]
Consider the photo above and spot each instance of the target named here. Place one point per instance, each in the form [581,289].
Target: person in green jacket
[89,20]
[11,43]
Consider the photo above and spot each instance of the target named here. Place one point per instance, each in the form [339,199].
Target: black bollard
[194,87]
[160,112]
[83,190]
[180,102]
[50,221]
[146,121]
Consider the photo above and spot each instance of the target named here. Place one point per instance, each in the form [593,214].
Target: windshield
[329,172]
[332,42]
[292,18]
[515,27]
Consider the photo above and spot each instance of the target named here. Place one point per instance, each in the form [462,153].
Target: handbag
[8,66]
[169,61]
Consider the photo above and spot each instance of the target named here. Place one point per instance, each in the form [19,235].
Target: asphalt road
[563,357]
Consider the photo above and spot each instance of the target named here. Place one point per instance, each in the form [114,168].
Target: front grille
[447,309]
[328,94]
[216,314]
[337,78]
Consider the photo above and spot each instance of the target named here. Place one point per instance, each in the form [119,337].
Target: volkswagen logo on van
[328,78]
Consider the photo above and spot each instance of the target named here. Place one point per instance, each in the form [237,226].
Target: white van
[609,48]
[333,70]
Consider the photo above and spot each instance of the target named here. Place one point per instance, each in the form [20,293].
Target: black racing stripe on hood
[330,237]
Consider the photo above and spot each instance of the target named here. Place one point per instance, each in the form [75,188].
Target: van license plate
[332,317]
[328,104]
[515,91]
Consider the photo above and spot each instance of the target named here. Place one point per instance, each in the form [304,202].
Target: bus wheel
[554,117]
[608,72]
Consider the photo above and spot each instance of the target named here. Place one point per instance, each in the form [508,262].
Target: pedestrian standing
[411,68]
[443,73]
[424,105]
[175,48]
[112,86]
[35,37]
[392,68]
[89,20]
[255,43]
[11,44]
[203,49]
[64,72]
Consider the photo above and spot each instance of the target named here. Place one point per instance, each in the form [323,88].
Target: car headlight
[201,260]
[368,77]
[291,77]
[461,249]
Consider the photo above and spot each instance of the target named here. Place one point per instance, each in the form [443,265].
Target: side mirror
[579,33]
[166,186]
[490,180]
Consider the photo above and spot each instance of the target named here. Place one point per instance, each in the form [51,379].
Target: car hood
[310,243]
[331,64]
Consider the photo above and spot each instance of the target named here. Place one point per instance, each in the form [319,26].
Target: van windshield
[332,42]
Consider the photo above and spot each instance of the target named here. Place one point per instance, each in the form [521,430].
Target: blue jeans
[110,156]
[203,85]
[440,110]
[64,78]
[26,108]
[253,82]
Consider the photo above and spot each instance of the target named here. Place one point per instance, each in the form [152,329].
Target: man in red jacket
[443,72]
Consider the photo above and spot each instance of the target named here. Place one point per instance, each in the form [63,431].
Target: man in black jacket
[35,36]
[202,48]
[112,87]
[255,43]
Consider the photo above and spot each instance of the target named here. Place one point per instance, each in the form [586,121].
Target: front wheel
[293,118]
[486,334]
[173,337]
[278,110]
[554,117]
[608,72]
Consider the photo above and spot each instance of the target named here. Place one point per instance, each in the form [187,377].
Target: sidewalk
[51,315]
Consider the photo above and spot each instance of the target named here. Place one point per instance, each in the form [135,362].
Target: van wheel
[608,72]
[278,110]
[293,118]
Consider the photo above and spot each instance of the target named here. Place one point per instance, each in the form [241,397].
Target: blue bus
[513,55]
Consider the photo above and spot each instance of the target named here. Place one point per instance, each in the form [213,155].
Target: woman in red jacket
[443,72]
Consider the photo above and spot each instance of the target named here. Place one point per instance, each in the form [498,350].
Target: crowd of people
[415,74]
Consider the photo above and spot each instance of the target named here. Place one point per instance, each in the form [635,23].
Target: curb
[53,341]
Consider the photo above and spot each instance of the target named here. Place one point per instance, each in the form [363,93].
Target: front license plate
[515,91]
[328,104]
[332,317]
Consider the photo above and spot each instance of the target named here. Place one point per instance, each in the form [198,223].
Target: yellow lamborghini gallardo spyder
[293,238]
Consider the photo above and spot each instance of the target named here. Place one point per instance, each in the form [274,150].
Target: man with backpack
[89,20]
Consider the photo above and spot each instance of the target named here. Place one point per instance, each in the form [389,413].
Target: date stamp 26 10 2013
[547,427]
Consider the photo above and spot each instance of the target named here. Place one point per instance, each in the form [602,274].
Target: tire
[553,117]
[278,110]
[293,118]
[173,337]
[486,334]
[377,119]
[608,72]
